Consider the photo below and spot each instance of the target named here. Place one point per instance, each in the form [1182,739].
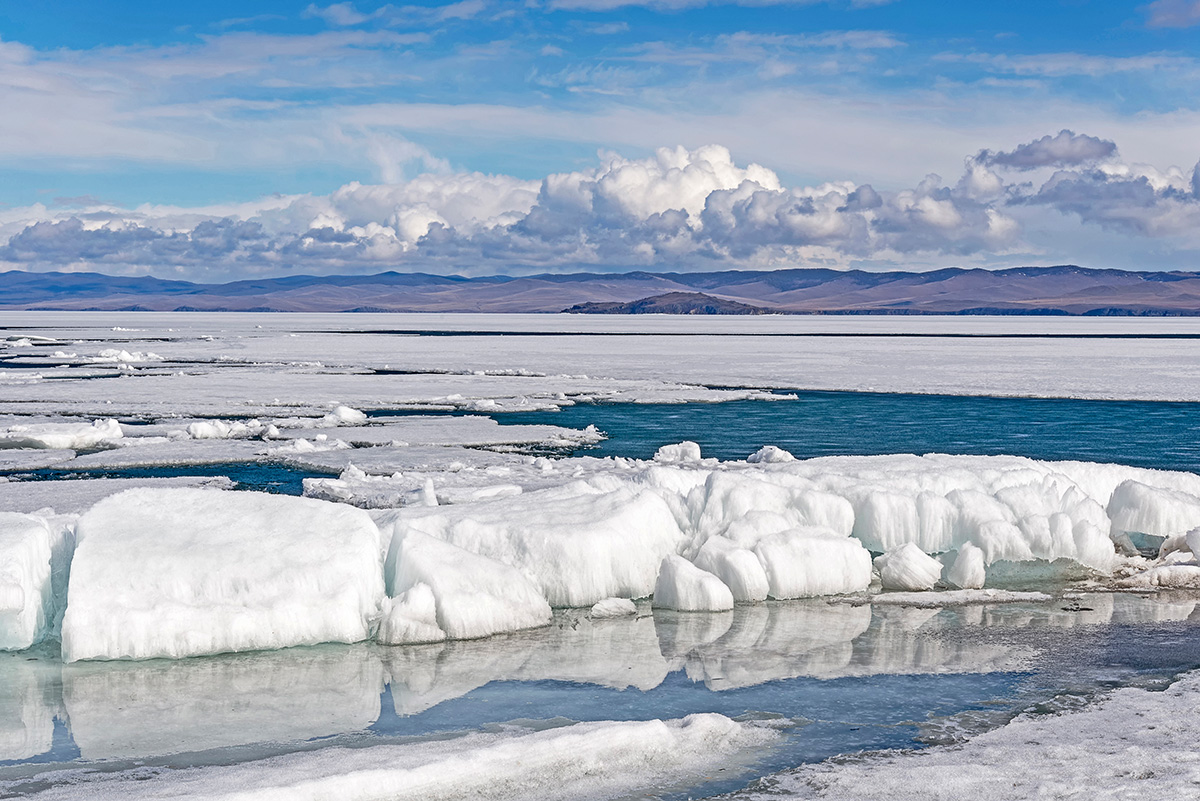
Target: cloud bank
[678,209]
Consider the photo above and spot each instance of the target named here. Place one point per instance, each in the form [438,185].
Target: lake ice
[289,624]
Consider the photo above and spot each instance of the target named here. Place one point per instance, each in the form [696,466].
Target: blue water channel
[1141,433]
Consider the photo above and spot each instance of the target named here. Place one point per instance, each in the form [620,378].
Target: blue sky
[360,136]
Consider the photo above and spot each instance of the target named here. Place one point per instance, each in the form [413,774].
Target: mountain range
[1062,289]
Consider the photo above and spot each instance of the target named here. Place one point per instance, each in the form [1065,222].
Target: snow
[472,596]
[1135,744]
[61,436]
[685,587]
[185,572]
[908,568]
[581,761]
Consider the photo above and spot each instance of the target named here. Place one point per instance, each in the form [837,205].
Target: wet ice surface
[834,679]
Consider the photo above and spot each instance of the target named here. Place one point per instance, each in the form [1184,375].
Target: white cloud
[1173,13]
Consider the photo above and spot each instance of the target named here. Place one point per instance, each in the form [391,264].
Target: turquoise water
[1139,433]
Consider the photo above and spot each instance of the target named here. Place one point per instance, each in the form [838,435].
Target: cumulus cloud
[1065,149]
[676,209]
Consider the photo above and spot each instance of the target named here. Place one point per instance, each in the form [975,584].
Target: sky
[225,140]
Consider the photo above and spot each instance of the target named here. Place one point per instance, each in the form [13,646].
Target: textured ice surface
[28,603]
[1133,744]
[908,568]
[583,761]
[171,573]
[75,496]
[579,543]
[61,436]
[33,458]
[685,587]
[473,596]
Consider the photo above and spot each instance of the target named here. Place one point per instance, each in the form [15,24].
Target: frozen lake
[468,427]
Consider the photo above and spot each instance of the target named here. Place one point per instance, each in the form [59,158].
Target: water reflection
[656,664]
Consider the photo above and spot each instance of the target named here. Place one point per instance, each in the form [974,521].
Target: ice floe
[172,573]
[61,436]
[471,544]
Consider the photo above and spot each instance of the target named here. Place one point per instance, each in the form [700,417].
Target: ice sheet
[301,364]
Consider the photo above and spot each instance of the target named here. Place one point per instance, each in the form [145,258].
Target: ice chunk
[474,596]
[738,567]
[344,416]
[222,429]
[410,618]
[579,543]
[61,436]
[1138,507]
[968,571]
[26,595]
[770,454]
[612,608]
[686,451]
[184,572]
[685,587]
[810,561]
[908,568]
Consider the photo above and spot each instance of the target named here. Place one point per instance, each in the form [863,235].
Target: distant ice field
[636,357]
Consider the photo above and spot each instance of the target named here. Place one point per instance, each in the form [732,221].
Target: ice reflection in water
[849,677]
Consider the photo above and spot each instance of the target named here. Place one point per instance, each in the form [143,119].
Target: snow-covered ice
[908,568]
[184,572]
[579,543]
[1135,744]
[472,596]
[583,761]
[32,549]
[685,587]
[61,436]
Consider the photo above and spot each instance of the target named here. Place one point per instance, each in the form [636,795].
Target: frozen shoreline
[1133,743]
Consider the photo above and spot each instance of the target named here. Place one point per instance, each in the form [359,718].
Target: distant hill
[671,303]
[1064,289]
